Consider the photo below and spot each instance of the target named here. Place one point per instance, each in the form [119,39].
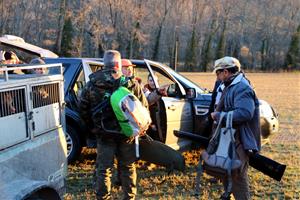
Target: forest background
[187,34]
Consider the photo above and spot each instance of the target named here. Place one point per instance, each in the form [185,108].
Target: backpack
[133,117]
[220,158]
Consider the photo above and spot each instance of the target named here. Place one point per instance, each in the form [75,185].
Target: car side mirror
[191,93]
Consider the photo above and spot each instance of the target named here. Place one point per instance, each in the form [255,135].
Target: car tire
[73,144]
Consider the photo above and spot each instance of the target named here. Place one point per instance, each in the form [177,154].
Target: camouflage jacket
[97,90]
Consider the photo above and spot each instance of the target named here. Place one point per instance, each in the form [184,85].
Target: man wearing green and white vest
[110,145]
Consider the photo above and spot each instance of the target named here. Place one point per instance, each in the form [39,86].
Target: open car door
[175,110]
[90,66]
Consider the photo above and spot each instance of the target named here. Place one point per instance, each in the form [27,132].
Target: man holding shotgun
[239,97]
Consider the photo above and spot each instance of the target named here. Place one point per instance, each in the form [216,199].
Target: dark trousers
[124,151]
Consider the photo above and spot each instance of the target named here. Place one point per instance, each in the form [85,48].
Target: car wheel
[73,144]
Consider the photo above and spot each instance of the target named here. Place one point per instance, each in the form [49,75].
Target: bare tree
[257,32]
[61,20]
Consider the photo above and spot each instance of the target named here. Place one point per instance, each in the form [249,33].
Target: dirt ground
[281,90]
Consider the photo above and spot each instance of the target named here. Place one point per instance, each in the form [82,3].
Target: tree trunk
[61,21]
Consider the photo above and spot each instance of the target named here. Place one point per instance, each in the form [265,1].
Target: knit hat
[112,60]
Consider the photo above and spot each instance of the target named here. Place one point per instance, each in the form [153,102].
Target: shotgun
[261,163]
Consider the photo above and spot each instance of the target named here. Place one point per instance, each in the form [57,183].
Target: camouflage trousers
[124,151]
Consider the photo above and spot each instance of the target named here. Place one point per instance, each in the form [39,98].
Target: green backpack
[133,117]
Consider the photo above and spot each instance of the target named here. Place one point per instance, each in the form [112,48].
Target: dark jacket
[99,89]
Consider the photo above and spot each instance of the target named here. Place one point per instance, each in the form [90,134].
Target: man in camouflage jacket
[109,144]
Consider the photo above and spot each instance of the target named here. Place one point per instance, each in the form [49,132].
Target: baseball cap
[127,63]
[226,62]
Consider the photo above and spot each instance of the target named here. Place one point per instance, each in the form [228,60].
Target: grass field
[281,90]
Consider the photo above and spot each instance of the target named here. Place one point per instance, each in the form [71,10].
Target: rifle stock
[261,163]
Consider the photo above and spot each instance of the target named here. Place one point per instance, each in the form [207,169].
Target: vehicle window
[141,73]
[95,67]
[55,70]
[163,79]
[79,84]
[187,83]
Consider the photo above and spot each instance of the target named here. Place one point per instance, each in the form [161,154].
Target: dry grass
[282,90]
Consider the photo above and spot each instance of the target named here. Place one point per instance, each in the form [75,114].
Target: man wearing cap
[239,97]
[127,68]
[109,145]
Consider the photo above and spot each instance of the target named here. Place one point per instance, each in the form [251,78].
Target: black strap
[100,107]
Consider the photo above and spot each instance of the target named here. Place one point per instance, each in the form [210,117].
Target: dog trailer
[33,162]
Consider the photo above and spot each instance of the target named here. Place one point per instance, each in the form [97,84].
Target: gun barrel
[259,162]
[267,166]
[196,138]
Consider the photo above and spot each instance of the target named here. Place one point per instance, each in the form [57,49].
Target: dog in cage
[7,104]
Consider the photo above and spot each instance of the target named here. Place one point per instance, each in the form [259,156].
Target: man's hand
[215,116]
